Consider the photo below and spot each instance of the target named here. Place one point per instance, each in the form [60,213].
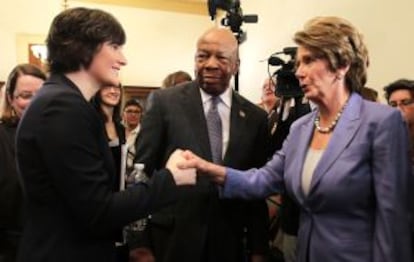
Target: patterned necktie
[215,130]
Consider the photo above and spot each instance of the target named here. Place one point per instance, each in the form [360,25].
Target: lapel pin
[242,114]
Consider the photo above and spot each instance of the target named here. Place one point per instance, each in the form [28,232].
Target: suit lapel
[237,125]
[341,137]
[193,109]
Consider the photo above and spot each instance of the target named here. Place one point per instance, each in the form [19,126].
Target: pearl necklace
[330,128]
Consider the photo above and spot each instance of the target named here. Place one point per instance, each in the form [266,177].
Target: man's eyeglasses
[404,102]
[135,112]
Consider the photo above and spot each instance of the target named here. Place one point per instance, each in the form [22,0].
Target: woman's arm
[250,184]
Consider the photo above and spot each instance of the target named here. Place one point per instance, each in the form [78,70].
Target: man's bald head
[216,60]
[220,35]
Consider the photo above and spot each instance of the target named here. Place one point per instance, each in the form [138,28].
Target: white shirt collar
[225,97]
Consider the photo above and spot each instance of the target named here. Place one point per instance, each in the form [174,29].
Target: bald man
[201,226]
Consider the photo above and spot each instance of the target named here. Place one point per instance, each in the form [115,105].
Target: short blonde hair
[340,43]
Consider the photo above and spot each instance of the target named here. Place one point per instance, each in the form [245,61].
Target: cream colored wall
[161,42]
[158,42]
[386,25]
[33,19]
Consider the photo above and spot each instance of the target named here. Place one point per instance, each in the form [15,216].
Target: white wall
[161,42]
[157,42]
[386,25]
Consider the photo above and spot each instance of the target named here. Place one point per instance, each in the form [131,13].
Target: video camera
[234,17]
[287,85]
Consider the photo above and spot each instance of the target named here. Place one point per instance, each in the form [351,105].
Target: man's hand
[181,176]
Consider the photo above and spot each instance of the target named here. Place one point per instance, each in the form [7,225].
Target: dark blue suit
[201,227]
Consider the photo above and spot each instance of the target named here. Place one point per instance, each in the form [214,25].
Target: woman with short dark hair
[74,211]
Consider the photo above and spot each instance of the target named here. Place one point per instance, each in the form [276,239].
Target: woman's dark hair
[77,34]
[9,115]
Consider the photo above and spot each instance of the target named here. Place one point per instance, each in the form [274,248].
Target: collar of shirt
[136,129]
[225,97]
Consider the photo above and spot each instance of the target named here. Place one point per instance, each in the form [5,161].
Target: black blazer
[11,197]
[202,227]
[73,213]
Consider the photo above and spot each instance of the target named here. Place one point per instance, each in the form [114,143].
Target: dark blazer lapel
[341,137]
[237,126]
[194,111]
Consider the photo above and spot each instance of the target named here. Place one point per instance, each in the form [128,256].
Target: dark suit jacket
[73,214]
[11,197]
[201,227]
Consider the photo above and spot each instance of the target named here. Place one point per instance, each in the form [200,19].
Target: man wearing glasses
[131,117]
[400,94]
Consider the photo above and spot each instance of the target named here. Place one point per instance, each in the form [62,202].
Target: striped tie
[215,130]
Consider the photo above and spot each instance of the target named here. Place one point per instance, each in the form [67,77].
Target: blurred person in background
[22,84]
[400,94]
[107,102]
[131,118]
[176,78]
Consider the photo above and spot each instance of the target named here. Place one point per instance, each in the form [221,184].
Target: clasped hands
[183,165]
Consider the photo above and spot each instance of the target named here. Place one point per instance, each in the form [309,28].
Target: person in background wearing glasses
[400,94]
[131,118]
[23,82]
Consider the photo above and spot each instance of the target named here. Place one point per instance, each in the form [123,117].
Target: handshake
[183,173]
[184,164]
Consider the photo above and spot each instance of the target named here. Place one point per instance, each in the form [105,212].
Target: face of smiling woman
[106,64]
[111,95]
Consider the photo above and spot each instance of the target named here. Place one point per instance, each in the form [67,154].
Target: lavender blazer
[357,207]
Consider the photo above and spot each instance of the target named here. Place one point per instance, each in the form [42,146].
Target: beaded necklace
[330,128]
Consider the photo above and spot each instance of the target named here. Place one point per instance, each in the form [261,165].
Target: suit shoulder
[377,111]
[174,90]
[247,104]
